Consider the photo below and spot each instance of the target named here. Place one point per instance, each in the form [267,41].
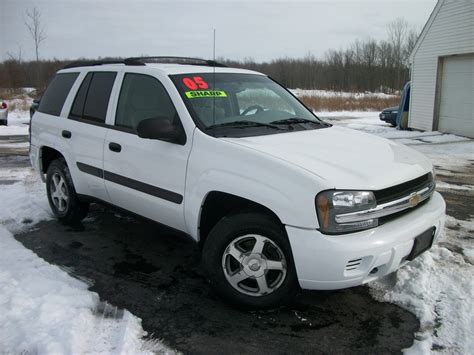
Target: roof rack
[87,63]
[177,60]
[139,61]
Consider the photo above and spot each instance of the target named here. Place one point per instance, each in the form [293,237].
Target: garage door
[456,112]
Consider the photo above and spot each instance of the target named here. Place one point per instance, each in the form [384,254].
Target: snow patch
[330,93]
[18,123]
[44,310]
[438,287]
[446,186]
[24,202]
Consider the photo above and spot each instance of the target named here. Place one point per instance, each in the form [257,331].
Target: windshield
[226,101]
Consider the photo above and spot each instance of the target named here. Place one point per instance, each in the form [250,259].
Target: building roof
[425,30]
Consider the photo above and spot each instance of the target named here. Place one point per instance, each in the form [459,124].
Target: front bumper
[388,117]
[326,262]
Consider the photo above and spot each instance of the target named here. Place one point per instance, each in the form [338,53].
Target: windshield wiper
[296,120]
[246,123]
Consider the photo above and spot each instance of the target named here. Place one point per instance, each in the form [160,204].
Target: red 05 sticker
[195,83]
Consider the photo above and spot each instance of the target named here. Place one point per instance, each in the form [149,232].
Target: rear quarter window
[56,93]
[93,96]
[98,95]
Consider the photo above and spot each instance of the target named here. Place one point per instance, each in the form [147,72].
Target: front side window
[92,98]
[55,95]
[143,97]
[234,104]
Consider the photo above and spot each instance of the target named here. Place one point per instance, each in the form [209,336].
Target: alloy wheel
[254,265]
[59,192]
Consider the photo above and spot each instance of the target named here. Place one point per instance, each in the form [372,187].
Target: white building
[442,71]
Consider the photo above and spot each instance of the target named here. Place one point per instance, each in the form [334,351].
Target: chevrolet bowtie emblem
[414,200]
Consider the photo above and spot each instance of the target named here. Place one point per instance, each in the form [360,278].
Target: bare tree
[36,29]
[397,33]
[18,56]
[412,38]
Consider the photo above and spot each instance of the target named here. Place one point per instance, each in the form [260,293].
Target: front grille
[404,189]
[399,191]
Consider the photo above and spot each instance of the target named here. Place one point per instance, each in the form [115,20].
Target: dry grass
[10,94]
[21,105]
[353,103]
[16,99]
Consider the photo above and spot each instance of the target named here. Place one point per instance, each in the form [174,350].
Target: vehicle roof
[166,68]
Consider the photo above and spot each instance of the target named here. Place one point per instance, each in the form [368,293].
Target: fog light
[374,270]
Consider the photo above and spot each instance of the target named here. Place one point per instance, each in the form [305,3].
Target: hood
[394,108]
[344,158]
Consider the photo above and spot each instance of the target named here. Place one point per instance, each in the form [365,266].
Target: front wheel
[249,262]
[62,195]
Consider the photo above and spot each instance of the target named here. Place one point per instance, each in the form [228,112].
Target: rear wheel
[248,260]
[62,195]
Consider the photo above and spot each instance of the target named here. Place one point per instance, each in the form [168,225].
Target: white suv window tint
[98,95]
[78,106]
[53,98]
[142,97]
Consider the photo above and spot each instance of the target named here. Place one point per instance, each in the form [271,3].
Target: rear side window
[142,97]
[78,105]
[55,95]
[92,99]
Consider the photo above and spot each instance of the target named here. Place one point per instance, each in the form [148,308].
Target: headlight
[331,203]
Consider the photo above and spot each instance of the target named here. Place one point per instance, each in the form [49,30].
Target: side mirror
[162,129]
[36,101]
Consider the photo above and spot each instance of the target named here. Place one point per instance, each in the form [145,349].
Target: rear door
[46,122]
[145,176]
[85,132]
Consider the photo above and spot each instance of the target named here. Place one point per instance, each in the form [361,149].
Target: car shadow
[155,273]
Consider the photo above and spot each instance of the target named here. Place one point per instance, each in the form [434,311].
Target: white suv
[275,197]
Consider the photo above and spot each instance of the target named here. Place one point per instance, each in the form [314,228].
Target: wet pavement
[155,274]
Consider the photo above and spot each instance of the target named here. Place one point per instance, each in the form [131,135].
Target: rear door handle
[115,147]
[66,134]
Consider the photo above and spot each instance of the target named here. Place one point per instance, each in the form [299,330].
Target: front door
[145,176]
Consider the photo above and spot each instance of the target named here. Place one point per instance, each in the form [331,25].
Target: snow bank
[45,311]
[18,123]
[438,288]
[24,202]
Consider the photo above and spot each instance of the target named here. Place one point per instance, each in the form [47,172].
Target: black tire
[232,228]
[73,210]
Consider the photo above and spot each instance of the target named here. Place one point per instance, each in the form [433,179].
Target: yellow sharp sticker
[207,93]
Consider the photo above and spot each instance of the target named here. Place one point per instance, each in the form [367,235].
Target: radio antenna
[214,78]
[214,47]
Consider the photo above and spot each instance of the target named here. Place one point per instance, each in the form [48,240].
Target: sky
[260,29]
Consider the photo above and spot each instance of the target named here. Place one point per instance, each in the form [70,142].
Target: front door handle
[66,134]
[115,147]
